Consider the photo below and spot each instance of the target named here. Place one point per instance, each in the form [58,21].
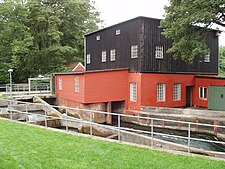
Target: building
[127,67]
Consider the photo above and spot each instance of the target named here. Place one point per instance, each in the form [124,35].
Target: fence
[2,87]
[18,89]
[119,130]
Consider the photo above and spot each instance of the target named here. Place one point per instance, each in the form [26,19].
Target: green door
[216,98]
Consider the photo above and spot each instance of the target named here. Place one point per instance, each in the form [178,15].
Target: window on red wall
[60,83]
[177,91]
[77,84]
[203,93]
[133,92]
[161,92]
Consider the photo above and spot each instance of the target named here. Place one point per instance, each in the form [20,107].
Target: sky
[115,11]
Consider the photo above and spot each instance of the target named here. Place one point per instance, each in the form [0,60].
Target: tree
[222,61]
[182,21]
[42,36]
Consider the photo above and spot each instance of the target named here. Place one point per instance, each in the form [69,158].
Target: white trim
[85,52]
[79,64]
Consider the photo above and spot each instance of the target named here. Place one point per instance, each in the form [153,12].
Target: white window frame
[98,37]
[161,92]
[88,58]
[176,91]
[113,55]
[159,52]
[207,58]
[118,32]
[103,56]
[60,83]
[203,93]
[134,51]
[76,85]
[133,92]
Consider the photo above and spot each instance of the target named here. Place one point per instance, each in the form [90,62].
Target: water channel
[194,143]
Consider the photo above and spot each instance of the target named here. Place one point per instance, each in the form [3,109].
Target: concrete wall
[187,115]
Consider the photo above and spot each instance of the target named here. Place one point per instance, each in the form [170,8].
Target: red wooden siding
[109,86]
[205,82]
[106,86]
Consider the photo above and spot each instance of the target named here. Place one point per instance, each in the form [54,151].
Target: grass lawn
[23,146]
[2,96]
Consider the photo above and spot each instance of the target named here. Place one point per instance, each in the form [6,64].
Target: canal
[196,144]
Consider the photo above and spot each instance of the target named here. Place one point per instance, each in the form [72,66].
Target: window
[113,55]
[161,92]
[207,58]
[88,58]
[98,37]
[134,51]
[177,91]
[76,84]
[159,52]
[203,93]
[60,83]
[103,56]
[133,92]
[118,32]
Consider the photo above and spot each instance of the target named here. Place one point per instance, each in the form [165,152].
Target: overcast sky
[115,11]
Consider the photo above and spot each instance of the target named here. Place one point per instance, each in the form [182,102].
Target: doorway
[189,96]
[117,107]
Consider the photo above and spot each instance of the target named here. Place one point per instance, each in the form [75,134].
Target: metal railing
[18,89]
[118,129]
[2,87]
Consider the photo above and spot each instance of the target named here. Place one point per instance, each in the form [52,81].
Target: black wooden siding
[129,35]
[145,33]
[153,37]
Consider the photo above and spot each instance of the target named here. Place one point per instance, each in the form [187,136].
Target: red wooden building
[127,67]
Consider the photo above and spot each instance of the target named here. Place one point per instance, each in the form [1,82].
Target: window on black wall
[159,52]
[134,51]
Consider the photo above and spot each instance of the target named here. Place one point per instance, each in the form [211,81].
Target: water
[196,144]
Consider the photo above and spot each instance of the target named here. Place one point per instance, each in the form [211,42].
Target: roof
[211,77]
[136,18]
[90,71]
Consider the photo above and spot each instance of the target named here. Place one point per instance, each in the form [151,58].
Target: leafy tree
[181,25]
[222,61]
[42,36]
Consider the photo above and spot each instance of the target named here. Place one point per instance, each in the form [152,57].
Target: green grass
[2,96]
[23,146]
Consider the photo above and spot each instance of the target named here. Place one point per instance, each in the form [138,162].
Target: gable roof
[79,67]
